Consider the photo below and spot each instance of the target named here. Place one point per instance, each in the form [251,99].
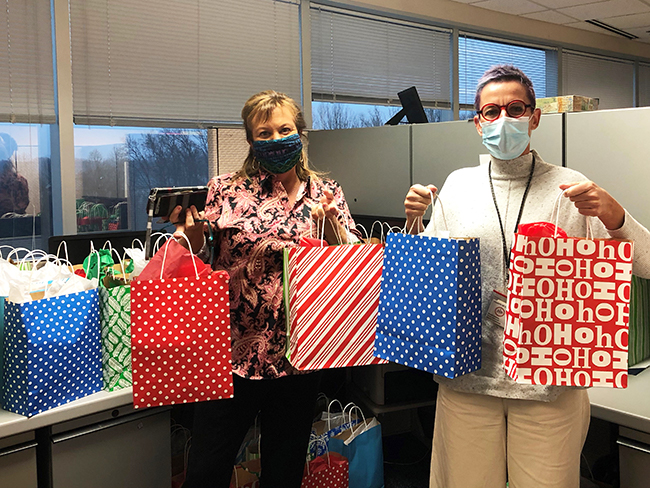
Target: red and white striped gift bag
[332,301]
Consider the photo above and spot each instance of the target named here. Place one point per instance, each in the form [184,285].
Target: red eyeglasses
[514,109]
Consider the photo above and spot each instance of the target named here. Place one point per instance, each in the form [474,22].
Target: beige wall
[448,13]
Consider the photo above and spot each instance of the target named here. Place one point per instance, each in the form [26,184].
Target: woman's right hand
[416,203]
[190,226]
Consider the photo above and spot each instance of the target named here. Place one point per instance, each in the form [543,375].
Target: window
[117,167]
[24,185]
[609,80]
[476,55]
[172,63]
[26,107]
[368,60]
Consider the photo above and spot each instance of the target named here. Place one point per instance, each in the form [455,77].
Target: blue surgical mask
[278,156]
[506,138]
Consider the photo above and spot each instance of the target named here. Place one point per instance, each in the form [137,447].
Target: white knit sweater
[470,212]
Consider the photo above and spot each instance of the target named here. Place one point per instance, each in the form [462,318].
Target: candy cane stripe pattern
[333,302]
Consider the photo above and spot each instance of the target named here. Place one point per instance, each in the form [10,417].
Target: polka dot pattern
[430,304]
[331,471]
[180,340]
[52,352]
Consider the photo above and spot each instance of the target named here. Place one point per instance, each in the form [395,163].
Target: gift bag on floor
[330,470]
[362,447]
[180,334]
[430,304]
[332,298]
[567,311]
[330,424]
[52,347]
[246,475]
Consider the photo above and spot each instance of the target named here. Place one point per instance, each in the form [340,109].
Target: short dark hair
[504,72]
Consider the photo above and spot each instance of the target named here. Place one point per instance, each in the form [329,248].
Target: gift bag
[180,334]
[115,321]
[430,304]
[639,325]
[362,447]
[246,475]
[332,297]
[52,352]
[327,471]
[567,311]
[330,424]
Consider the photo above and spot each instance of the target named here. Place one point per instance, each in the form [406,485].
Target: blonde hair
[260,107]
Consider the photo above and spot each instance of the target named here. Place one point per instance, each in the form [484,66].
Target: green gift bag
[639,331]
[115,320]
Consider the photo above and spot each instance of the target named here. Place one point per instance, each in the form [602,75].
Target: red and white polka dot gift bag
[330,470]
[180,336]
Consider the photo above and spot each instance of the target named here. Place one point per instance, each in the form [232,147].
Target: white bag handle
[162,266]
[431,229]
[556,212]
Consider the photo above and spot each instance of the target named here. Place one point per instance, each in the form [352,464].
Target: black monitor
[411,107]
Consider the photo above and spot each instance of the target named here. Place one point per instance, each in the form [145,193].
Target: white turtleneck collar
[514,168]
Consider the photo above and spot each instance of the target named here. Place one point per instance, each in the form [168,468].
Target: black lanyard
[506,251]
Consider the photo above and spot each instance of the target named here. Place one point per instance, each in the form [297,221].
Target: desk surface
[11,423]
[629,407]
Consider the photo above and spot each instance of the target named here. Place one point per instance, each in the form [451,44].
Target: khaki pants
[481,441]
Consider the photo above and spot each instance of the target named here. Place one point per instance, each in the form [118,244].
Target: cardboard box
[567,103]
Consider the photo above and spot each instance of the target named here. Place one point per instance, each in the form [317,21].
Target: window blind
[371,59]
[609,80]
[476,55]
[180,62]
[27,81]
[644,85]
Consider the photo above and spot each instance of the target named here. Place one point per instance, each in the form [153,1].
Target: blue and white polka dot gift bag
[430,304]
[52,352]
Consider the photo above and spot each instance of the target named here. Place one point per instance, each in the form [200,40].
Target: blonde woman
[268,205]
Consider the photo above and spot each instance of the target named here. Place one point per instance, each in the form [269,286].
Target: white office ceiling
[630,16]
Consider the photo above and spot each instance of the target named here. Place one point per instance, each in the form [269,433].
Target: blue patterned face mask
[278,156]
[506,138]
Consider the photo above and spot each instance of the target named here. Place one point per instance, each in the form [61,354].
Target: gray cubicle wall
[377,165]
[439,149]
[612,147]
[371,164]
[547,138]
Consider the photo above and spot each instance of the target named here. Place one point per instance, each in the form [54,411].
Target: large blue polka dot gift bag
[430,304]
[52,352]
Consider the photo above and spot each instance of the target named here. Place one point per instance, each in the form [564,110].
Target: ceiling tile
[564,3]
[640,32]
[609,8]
[514,7]
[628,21]
[592,28]
[551,16]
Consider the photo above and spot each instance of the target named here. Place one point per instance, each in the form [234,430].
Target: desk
[79,444]
[11,423]
[629,407]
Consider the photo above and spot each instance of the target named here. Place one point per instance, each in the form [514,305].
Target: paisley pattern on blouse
[255,222]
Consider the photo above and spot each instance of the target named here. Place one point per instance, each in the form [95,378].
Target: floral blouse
[255,222]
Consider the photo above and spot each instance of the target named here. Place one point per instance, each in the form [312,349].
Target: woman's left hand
[594,201]
[326,210]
